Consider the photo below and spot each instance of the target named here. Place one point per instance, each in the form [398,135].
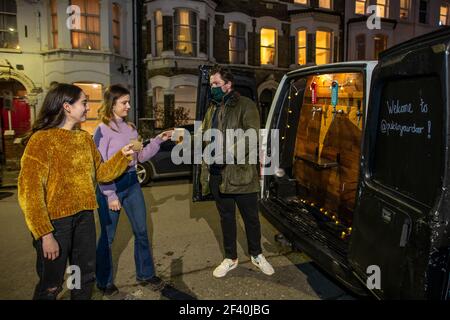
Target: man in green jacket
[233,184]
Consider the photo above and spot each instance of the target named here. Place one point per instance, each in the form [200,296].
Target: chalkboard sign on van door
[409,140]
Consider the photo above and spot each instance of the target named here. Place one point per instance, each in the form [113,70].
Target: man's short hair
[225,73]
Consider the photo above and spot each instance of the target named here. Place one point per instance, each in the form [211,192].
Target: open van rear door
[400,241]
[244,83]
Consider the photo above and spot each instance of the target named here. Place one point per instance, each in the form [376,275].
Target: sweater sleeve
[150,150]
[111,169]
[102,142]
[32,188]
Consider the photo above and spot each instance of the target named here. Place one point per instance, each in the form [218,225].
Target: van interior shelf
[318,163]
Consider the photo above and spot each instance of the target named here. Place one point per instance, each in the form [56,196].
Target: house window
[116,27]
[88,36]
[268,46]
[383,8]
[325,4]
[301,47]
[236,45]
[443,14]
[423,11]
[380,44]
[323,47]
[360,6]
[361,47]
[185,33]
[185,103]
[54,17]
[158,107]
[9,38]
[159,32]
[301,1]
[404,8]
[93,93]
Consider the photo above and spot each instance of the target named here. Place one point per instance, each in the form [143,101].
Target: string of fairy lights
[328,213]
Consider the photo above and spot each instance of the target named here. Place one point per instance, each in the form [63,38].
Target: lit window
[88,36]
[443,15]
[116,27]
[8,25]
[159,32]
[360,6]
[301,38]
[325,4]
[404,8]
[185,33]
[93,92]
[323,47]
[268,46]
[236,45]
[301,1]
[54,17]
[380,44]
[361,47]
[383,8]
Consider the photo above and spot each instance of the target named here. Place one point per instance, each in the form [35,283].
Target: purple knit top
[109,142]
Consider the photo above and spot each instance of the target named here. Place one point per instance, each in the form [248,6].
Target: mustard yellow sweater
[59,169]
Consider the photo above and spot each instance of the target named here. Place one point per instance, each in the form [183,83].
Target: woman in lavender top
[110,136]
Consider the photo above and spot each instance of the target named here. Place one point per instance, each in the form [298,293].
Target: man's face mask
[217,94]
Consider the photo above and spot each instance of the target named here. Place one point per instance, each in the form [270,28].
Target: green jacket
[240,113]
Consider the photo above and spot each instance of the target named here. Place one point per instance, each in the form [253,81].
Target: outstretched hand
[166,135]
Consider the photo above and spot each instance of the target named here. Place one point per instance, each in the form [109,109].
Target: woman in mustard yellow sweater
[56,190]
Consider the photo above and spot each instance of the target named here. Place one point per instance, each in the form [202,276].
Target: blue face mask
[217,94]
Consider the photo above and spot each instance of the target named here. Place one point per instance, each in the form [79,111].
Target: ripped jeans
[76,238]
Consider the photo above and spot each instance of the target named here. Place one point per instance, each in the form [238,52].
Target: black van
[364,190]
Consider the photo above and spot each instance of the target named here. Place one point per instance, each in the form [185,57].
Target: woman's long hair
[110,97]
[52,111]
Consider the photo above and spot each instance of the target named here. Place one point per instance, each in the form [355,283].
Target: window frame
[15,32]
[298,47]
[195,44]
[446,6]
[365,7]
[54,24]
[385,6]
[364,37]
[426,12]
[117,38]
[85,31]
[275,47]
[159,44]
[385,37]
[331,33]
[326,8]
[244,38]
[407,8]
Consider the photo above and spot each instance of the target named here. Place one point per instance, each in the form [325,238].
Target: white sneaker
[224,267]
[264,265]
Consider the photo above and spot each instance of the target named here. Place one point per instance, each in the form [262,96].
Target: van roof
[417,42]
[333,65]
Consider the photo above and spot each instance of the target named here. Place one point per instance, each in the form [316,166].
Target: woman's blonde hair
[110,97]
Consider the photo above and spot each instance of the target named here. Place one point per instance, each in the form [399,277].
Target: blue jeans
[132,200]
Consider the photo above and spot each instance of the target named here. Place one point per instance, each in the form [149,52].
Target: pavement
[187,246]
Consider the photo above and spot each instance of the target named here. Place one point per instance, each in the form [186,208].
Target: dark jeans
[132,200]
[76,238]
[248,206]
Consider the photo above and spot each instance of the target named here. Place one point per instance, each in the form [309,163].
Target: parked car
[160,166]
[364,176]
